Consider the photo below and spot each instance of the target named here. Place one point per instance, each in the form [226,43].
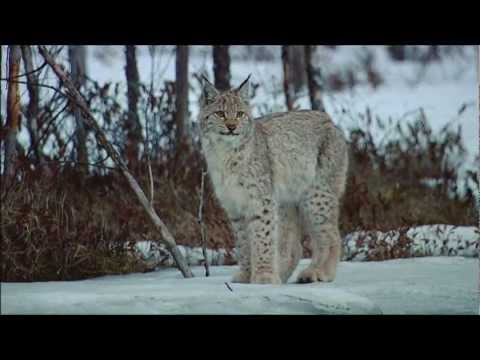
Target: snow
[430,285]
[157,254]
[427,240]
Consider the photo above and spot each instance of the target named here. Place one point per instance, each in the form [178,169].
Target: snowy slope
[435,285]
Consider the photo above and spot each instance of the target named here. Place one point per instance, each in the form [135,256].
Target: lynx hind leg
[243,252]
[332,261]
[320,213]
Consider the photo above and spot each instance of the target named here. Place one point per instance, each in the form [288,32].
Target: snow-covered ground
[431,285]
[419,241]
[427,240]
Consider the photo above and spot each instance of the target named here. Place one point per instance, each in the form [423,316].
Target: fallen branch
[72,92]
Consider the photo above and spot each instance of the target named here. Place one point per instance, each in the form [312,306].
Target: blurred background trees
[78,70]
[13,116]
[221,66]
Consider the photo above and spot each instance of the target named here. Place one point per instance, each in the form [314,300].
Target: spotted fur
[279,178]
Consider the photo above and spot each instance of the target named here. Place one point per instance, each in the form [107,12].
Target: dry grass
[387,187]
[64,228]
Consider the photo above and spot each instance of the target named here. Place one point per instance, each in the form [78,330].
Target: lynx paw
[312,275]
[265,278]
[241,277]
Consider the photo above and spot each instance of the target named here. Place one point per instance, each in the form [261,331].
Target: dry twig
[202,224]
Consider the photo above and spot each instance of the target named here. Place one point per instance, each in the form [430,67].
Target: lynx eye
[220,113]
[240,114]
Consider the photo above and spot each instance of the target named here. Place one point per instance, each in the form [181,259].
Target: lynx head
[225,115]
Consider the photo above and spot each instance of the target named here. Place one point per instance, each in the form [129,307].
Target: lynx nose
[231,127]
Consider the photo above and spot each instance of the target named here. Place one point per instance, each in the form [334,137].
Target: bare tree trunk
[397,52]
[478,172]
[181,93]
[221,67]
[166,237]
[1,113]
[297,66]
[34,101]
[133,127]
[314,80]
[433,53]
[77,58]
[13,113]
[287,78]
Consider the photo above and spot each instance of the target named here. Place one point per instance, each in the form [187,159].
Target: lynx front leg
[321,220]
[243,251]
[262,232]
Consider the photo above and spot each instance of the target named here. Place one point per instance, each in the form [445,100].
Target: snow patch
[427,240]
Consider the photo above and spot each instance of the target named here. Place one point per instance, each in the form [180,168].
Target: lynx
[279,178]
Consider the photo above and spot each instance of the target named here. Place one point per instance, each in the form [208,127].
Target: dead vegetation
[63,226]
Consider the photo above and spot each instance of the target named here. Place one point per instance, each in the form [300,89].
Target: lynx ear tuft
[244,89]
[208,92]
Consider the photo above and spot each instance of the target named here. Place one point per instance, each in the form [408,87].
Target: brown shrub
[387,186]
[68,227]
